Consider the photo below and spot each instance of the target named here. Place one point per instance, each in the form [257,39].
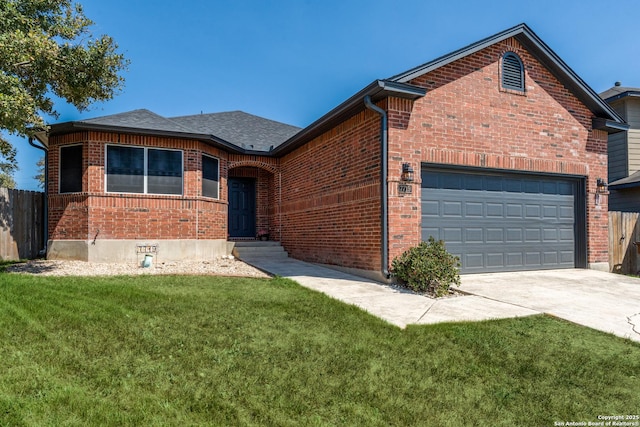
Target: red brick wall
[135,216]
[467,119]
[331,196]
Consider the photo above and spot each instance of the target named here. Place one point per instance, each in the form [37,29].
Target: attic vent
[512,72]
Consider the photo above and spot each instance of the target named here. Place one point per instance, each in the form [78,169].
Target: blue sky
[294,60]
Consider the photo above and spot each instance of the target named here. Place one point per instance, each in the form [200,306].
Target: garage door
[500,222]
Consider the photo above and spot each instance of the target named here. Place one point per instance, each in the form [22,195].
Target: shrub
[428,268]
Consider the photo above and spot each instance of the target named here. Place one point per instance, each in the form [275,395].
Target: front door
[242,207]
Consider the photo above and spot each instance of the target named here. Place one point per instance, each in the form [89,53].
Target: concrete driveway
[603,301]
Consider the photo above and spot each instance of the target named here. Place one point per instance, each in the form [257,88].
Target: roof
[236,130]
[137,119]
[631,181]
[240,128]
[618,91]
[609,121]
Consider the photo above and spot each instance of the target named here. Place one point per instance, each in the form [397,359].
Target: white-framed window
[210,177]
[144,170]
[70,169]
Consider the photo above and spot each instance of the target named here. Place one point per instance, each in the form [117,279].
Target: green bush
[428,268]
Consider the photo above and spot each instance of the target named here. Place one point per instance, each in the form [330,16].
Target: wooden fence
[21,224]
[624,242]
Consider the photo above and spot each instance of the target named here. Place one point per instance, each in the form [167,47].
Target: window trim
[60,168]
[145,169]
[217,180]
[507,87]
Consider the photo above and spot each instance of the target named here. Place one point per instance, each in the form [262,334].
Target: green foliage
[46,49]
[427,267]
[41,169]
[8,164]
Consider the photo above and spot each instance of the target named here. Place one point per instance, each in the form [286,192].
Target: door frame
[252,197]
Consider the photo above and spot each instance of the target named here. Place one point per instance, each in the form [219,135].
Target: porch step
[252,249]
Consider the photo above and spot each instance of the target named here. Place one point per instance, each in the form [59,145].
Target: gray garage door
[499,222]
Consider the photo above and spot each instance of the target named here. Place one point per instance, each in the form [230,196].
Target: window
[125,169]
[143,170]
[71,169]
[164,171]
[512,72]
[210,177]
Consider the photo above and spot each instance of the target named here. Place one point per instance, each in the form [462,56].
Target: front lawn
[196,350]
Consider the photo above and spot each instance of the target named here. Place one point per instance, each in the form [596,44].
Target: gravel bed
[217,267]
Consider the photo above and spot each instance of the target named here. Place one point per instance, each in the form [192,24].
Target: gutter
[383,183]
[45,202]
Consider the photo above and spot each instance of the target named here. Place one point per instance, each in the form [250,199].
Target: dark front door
[242,207]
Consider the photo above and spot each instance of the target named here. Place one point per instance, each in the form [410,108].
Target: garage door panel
[550,257]
[474,235]
[501,224]
[514,210]
[472,260]
[451,208]
[474,209]
[549,211]
[431,232]
[514,235]
[566,235]
[566,212]
[453,235]
[494,260]
[566,257]
[431,208]
[495,235]
[533,259]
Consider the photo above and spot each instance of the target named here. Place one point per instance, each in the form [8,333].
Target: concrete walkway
[603,301]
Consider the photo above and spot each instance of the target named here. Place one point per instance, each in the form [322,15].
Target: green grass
[226,351]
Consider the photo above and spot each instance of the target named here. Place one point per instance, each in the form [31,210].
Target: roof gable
[544,55]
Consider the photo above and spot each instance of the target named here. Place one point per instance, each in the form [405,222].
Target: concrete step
[255,243]
[258,249]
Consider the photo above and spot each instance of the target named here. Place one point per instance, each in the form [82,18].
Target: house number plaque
[146,249]
[404,188]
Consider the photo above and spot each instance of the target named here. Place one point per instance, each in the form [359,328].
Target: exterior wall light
[407,173]
[601,186]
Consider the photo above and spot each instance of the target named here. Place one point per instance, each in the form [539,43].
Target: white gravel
[217,267]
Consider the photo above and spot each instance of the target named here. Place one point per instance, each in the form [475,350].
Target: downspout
[45,227]
[383,183]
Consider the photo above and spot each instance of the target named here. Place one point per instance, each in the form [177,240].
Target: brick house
[495,148]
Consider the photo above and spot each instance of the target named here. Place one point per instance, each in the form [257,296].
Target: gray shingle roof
[632,180]
[619,92]
[239,128]
[138,119]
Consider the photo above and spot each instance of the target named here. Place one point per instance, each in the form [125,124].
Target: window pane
[125,169]
[210,177]
[164,171]
[71,169]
